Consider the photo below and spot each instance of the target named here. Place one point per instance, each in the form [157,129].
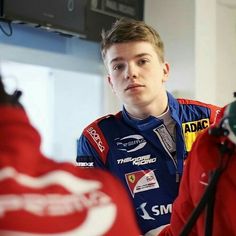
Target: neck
[143,111]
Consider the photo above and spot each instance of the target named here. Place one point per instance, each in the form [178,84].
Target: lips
[133,86]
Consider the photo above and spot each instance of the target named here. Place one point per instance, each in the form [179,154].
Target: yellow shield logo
[131,178]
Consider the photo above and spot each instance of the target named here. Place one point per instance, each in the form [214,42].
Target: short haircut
[129,30]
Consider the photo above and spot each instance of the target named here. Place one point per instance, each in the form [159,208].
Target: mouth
[134,86]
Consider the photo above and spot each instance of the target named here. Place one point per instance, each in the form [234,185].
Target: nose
[131,72]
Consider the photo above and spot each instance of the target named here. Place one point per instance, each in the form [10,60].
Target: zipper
[163,144]
[177,175]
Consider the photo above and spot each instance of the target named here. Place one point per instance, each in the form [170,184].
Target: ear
[166,70]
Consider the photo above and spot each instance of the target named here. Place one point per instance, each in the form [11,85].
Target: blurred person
[146,143]
[206,201]
[39,196]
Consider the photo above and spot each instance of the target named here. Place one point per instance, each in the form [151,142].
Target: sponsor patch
[138,161]
[192,129]
[164,135]
[97,138]
[85,161]
[140,181]
[148,212]
[130,143]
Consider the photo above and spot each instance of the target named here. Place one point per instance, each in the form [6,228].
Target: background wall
[200,42]
[175,20]
[226,51]
[200,46]
[60,103]
[39,47]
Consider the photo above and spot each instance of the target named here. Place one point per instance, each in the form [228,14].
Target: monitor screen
[84,18]
[61,15]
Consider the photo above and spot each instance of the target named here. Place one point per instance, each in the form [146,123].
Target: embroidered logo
[130,143]
[140,181]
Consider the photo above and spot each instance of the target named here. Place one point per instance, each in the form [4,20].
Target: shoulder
[96,132]
[105,119]
[214,112]
[101,124]
[193,106]
[183,101]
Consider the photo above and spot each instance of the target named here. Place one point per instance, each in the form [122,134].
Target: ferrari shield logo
[140,181]
[131,178]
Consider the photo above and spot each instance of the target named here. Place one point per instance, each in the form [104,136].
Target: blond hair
[128,30]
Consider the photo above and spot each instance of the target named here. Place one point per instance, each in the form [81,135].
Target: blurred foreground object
[39,196]
[208,183]
[9,99]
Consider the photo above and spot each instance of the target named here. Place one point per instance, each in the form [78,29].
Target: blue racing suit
[139,153]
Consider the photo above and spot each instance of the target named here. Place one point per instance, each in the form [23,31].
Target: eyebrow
[136,56]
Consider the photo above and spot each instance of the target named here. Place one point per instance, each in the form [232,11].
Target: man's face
[135,73]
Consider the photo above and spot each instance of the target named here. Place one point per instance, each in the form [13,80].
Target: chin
[135,102]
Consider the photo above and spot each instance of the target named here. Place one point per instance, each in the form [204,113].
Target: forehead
[128,50]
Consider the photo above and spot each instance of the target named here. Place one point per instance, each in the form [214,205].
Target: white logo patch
[131,143]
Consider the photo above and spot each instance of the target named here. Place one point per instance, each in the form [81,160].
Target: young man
[213,152]
[145,144]
[41,197]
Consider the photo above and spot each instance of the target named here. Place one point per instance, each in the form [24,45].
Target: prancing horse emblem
[131,178]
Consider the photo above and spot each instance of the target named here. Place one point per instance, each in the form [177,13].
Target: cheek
[113,84]
[159,74]
[156,78]
[117,87]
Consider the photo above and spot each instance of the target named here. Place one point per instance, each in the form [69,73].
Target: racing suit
[144,156]
[39,196]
